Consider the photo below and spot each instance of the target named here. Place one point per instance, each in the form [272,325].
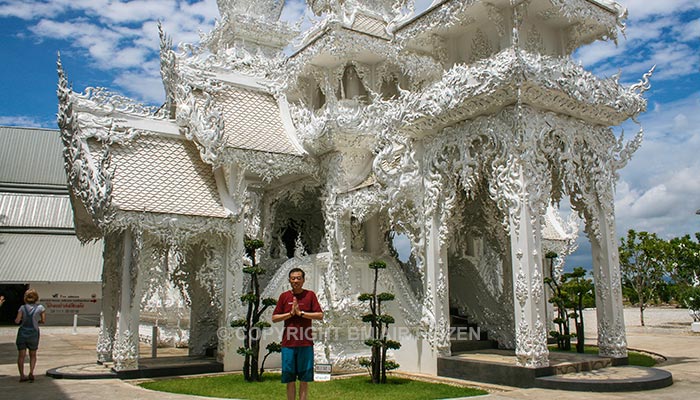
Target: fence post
[154,341]
[75,324]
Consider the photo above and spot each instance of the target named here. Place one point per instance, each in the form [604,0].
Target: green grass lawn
[358,387]
[634,358]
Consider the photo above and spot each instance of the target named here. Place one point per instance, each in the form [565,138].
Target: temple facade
[455,129]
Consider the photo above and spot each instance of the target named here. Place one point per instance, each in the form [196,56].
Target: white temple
[457,128]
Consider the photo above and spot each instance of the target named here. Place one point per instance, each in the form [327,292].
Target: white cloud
[144,86]
[26,120]
[118,37]
[642,9]
[692,29]
[655,35]
[659,190]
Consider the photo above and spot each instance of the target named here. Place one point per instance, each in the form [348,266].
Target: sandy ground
[657,320]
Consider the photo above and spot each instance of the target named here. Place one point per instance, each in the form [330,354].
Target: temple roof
[253,121]
[553,229]
[369,25]
[164,175]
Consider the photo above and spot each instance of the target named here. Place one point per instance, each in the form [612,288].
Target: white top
[27,309]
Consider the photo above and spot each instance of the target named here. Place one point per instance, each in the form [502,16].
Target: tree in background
[380,343]
[251,324]
[643,266]
[683,255]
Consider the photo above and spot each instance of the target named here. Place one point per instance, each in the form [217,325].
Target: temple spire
[267,9]
[384,9]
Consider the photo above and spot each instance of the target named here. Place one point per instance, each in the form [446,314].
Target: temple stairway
[466,335]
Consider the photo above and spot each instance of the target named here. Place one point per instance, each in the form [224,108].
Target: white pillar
[126,348]
[436,288]
[204,317]
[612,340]
[528,290]
[111,282]
[232,307]
[374,241]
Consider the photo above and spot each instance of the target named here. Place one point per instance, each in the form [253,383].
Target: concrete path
[60,347]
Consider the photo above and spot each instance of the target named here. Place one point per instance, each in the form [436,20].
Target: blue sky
[114,44]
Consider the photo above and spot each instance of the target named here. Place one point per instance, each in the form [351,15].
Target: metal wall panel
[29,155]
[35,210]
[26,258]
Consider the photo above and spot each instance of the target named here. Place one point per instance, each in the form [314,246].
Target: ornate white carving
[531,345]
[266,9]
[179,229]
[202,122]
[451,158]
[168,68]
[90,181]
[125,353]
[612,339]
[481,47]
[448,14]
[104,342]
[269,166]
[495,16]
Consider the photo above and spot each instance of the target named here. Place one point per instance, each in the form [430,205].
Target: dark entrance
[14,298]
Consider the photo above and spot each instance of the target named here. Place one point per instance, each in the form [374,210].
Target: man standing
[297,307]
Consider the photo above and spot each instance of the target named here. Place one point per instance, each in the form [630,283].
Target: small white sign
[322,372]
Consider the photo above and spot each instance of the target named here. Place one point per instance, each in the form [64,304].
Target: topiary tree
[579,292]
[252,325]
[559,299]
[379,343]
[571,293]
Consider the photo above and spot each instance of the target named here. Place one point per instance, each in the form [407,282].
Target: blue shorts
[27,339]
[298,363]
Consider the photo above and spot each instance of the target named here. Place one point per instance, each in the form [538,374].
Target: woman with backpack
[30,315]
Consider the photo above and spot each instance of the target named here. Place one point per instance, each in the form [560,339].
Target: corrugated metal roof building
[38,246]
[31,158]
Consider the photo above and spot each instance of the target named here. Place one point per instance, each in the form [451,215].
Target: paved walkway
[60,347]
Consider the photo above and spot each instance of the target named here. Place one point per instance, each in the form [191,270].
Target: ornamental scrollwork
[202,122]
[125,354]
[168,68]
[612,340]
[170,228]
[531,344]
[90,181]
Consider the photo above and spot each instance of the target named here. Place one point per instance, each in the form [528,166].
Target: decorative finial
[643,85]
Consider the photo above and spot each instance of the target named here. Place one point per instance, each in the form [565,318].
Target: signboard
[71,306]
[322,372]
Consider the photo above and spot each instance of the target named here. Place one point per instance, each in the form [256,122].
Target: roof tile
[253,121]
[164,175]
